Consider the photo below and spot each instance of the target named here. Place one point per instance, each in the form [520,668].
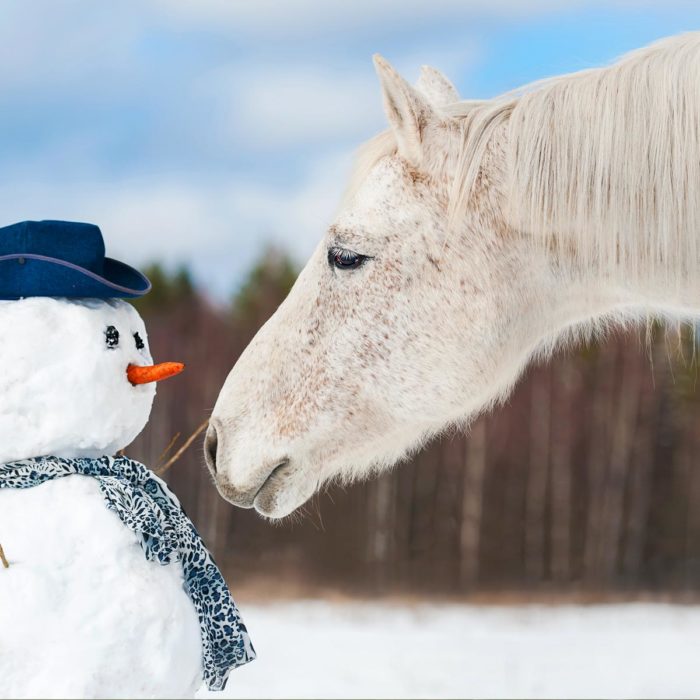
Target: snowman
[108,591]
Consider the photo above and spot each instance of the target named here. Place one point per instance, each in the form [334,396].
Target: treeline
[589,477]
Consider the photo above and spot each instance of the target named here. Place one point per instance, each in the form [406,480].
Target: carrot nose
[153,373]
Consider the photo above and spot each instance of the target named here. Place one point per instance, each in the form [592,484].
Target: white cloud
[45,45]
[271,107]
[217,228]
[299,18]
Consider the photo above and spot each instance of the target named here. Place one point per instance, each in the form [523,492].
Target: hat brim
[33,275]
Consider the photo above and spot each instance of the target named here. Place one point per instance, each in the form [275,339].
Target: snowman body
[83,613]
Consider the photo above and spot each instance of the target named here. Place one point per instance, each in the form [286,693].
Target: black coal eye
[111,337]
[344,259]
[140,345]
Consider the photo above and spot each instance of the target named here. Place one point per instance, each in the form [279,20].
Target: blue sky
[199,131]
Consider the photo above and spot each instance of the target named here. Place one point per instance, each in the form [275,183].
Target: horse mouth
[270,487]
[243,497]
[282,492]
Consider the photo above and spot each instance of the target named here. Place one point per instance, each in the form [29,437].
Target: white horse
[474,236]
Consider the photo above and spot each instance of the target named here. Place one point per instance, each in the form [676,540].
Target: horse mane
[604,162]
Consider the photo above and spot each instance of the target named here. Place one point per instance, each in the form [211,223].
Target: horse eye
[344,259]
[111,337]
[140,345]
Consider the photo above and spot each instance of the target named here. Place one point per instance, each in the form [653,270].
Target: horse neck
[590,294]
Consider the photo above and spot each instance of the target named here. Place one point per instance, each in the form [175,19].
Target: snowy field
[319,649]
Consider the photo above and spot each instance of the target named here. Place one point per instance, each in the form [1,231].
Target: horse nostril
[210,444]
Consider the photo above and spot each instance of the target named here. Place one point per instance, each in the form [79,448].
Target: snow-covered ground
[321,649]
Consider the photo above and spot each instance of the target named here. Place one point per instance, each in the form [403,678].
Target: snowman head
[76,377]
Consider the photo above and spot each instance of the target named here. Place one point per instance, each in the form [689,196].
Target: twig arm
[161,470]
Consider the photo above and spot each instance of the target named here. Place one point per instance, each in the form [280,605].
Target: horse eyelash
[334,249]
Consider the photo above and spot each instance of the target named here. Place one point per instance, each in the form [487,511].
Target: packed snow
[373,650]
[82,612]
[64,388]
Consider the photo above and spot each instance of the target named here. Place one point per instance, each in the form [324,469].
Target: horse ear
[408,112]
[436,87]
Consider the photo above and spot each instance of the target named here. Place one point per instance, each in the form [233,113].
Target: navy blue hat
[62,259]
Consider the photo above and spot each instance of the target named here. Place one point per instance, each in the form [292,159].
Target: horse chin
[282,494]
